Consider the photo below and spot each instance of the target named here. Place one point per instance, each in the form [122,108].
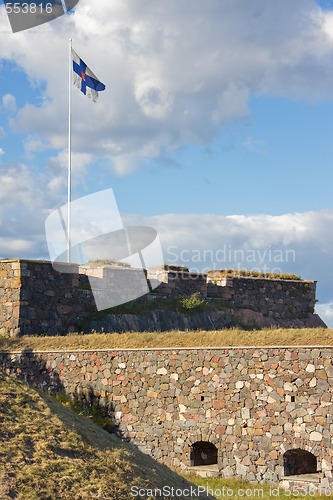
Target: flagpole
[69,181]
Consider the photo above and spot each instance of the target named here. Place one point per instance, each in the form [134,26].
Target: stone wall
[10,287]
[115,285]
[37,299]
[275,298]
[175,283]
[278,299]
[252,404]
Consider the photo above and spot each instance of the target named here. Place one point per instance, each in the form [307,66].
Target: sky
[215,129]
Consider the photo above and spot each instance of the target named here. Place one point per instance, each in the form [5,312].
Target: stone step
[204,470]
[307,481]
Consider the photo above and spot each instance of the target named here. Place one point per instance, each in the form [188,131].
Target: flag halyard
[85,79]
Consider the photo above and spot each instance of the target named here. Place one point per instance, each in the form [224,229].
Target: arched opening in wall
[299,461]
[203,453]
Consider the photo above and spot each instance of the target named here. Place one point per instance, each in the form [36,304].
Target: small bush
[194,302]
[90,410]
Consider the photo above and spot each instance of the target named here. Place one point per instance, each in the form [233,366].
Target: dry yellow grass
[48,452]
[220,338]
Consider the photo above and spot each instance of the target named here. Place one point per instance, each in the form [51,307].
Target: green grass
[237,489]
[140,340]
[186,305]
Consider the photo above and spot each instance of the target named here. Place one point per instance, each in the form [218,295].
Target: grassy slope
[49,452]
[221,338]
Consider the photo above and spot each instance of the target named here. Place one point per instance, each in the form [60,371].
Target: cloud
[9,102]
[58,168]
[34,144]
[2,152]
[328,24]
[153,96]
[174,75]
[23,209]
[299,243]
[325,311]
[254,145]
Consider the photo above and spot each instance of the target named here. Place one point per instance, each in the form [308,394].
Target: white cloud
[153,97]
[325,311]
[15,246]
[124,164]
[34,144]
[231,104]
[23,209]
[174,74]
[58,168]
[2,152]
[328,24]
[254,145]
[9,102]
[292,243]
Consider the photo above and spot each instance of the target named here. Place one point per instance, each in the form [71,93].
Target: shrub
[89,409]
[196,301]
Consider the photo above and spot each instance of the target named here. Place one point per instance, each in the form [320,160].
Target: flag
[85,79]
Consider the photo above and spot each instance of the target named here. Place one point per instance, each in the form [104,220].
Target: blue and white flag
[85,79]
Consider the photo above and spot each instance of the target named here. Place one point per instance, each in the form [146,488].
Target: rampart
[261,413]
[36,299]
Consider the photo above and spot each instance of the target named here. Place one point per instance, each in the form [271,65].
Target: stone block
[316,436]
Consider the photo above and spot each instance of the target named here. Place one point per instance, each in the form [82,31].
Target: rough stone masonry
[35,299]
[256,406]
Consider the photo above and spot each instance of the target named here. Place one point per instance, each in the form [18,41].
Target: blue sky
[248,168]
[215,128]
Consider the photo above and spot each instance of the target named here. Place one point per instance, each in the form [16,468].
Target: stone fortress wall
[36,299]
[261,413]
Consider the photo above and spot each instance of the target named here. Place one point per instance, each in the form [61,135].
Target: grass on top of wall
[245,273]
[135,340]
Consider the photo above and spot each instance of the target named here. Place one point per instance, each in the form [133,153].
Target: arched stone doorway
[203,453]
[299,461]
